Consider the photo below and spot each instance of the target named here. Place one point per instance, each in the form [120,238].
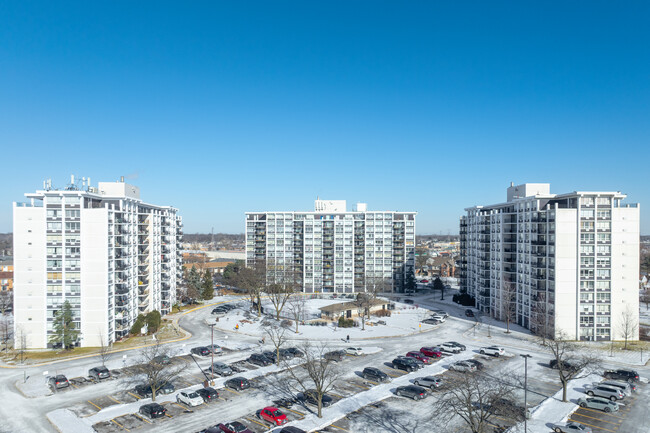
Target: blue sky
[221,108]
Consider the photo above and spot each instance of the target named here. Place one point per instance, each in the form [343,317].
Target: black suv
[201,351]
[565,364]
[208,394]
[462,347]
[237,383]
[99,373]
[297,353]
[372,373]
[259,359]
[152,410]
[311,396]
[412,391]
[627,375]
[404,364]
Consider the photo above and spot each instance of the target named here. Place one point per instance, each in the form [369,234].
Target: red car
[272,415]
[432,352]
[419,356]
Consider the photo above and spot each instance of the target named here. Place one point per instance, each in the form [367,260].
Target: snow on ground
[553,410]
[405,320]
[68,420]
[35,386]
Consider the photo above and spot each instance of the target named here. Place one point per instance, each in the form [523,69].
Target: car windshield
[238,427]
[276,413]
[193,395]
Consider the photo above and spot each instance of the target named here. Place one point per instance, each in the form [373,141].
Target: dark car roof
[153,406]
[292,429]
[413,388]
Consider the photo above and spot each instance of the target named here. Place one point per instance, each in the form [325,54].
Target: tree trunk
[564,387]
[259,305]
[153,393]
[320,407]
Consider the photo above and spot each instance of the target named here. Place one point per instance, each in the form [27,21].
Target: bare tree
[628,323]
[645,298]
[280,292]
[297,309]
[539,319]
[154,368]
[375,285]
[104,349]
[6,331]
[508,305]
[6,301]
[277,336]
[570,360]
[252,280]
[362,303]
[316,375]
[20,343]
[476,399]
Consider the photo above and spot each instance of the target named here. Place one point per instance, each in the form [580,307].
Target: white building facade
[102,249]
[332,250]
[562,264]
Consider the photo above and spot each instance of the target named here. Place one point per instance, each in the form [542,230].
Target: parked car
[417,362]
[284,402]
[166,388]
[469,313]
[462,366]
[259,359]
[492,350]
[356,351]
[431,321]
[287,354]
[431,382]
[234,427]
[237,383]
[162,359]
[478,364]
[605,391]
[311,396]
[404,364]
[292,429]
[57,382]
[598,403]
[419,356]
[450,348]
[297,353]
[273,415]
[99,373]
[208,394]
[335,355]
[215,348]
[408,301]
[442,313]
[220,310]
[189,398]
[152,410]
[626,387]
[431,352]
[566,365]
[462,347]
[571,427]
[627,375]
[213,429]
[438,318]
[372,373]
[220,368]
[143,391]
[411,391]
[201,351]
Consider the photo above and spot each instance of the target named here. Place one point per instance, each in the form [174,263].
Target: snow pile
[35,386]
[65,420]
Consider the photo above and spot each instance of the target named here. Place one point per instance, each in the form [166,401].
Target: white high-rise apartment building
[333,250]
[102,249]
[562,264]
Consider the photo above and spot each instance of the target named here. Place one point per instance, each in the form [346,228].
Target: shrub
[153,319]
[286,323]
[346,323]
[464,299]
[137,325]
[383,313]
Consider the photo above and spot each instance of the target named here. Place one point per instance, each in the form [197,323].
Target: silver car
[598,403]
[462,366]
[431,382]
[571,427]
[606,392]
[627,388]
[221,369]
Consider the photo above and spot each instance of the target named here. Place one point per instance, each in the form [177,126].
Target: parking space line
[73,385]
[336,395]
[133,395]
[360,386]
[370,381]
[120,425]
[233,391]
[598,419]
[257,422]
[600,412]
[94,405]
[295,411]
[168,415]
[591,425]
[115,400]
[145,420]
[182,407]
[340,428]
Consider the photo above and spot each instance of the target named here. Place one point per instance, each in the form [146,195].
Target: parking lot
[632,416]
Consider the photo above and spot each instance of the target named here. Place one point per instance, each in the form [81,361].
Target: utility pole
[211,325]
[526,391]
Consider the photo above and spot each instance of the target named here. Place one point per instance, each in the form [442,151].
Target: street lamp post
[212,352]
[526,391]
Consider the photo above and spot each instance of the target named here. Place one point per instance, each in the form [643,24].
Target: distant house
[443,266]
[6,275]
[349,309]
[216,267]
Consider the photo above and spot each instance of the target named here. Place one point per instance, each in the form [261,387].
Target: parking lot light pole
[526,391]
[211,325]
